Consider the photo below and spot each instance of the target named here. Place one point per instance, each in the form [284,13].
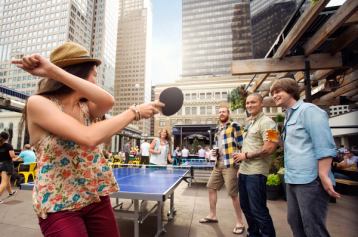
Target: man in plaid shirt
[229,140]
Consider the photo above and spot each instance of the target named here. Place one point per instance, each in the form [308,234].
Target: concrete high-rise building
[268,19]
[105,40]
[132,81]
[214,33]
[37,26]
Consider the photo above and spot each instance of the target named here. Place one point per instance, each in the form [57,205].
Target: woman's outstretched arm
[44,115]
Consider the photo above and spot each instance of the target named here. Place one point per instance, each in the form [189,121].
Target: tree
[237,98]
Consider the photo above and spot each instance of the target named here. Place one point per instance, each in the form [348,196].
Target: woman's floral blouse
[70,176]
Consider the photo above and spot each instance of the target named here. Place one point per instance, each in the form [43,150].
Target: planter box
[273,192]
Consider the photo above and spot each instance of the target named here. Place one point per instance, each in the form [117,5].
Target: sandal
[238,230]
[12,193]
[208,220]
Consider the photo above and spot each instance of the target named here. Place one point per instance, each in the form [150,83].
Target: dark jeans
[252,189]
[307,209]
[144,160]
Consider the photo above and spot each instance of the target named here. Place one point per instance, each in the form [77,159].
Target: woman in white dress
[160,149]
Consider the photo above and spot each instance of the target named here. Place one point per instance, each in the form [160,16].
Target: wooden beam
[347,37]
[352,20]
[287,64]
[333,23]
[305,21]
[258,82]
[350,83]
[299,76]
[342,90]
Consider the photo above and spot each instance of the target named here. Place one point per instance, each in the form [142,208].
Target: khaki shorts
[221,176]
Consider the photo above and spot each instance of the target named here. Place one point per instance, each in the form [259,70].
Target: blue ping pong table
[146,184]
[199,170]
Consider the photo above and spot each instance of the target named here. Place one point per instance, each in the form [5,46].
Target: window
[161,123]
[193,96]
[224,95]
[202,96]
[208,95]
[187,110]
[202,110]
[209,110]
[217,95]
[187,96]
[193,110]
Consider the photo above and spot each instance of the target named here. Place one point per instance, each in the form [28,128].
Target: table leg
[172,210]
[160,227]
[136,222]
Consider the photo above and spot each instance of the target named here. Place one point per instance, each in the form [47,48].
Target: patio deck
[17,218]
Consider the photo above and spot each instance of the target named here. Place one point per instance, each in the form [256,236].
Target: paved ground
[17,218]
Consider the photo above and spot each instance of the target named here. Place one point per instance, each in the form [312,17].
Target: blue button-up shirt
[307,138]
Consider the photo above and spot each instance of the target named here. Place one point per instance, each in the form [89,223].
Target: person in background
[127,151]
[201,152]
[349,160]
[27,155]
[160,149]
[308,151]
[207,153]
[7,155]
[144,152]
[260,141]
[228,139]
[177,156]
[74,180]
[185,153]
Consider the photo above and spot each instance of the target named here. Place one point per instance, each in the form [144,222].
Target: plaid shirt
[232,141]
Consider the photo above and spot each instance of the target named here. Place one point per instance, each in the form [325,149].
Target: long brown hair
[48,87]
[168,137]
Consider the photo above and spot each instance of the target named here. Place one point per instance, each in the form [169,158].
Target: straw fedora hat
[71,53]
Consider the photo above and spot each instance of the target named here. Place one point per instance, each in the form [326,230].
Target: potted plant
[281,173]
[273,187]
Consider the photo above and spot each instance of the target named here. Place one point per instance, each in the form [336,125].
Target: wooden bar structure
[326,38]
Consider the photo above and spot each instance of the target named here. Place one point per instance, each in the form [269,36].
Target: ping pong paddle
[173,99]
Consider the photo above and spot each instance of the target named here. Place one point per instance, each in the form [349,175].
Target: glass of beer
[273,135]
[215,152]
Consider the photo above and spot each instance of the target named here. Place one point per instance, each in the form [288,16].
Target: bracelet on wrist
[136,112]
[246,156]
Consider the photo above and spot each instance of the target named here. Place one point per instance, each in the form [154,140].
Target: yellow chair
[31,171]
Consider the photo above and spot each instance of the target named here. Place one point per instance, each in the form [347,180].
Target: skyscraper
[105,40]
[37,26]
[132,82]
[214,34]
[268,19]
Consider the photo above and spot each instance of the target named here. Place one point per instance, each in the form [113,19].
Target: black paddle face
[173,99]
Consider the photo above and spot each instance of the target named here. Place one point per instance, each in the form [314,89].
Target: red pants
[97,219]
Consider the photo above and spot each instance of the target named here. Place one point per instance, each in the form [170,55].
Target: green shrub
[273,180]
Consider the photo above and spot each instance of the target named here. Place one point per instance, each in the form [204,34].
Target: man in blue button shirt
[27,155]
[308,152]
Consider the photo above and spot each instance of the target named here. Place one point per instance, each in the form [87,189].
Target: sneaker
[1,201]
[13,193]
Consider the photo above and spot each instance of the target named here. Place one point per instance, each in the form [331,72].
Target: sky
[166,41]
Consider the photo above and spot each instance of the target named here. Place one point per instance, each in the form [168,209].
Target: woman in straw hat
[73,183]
